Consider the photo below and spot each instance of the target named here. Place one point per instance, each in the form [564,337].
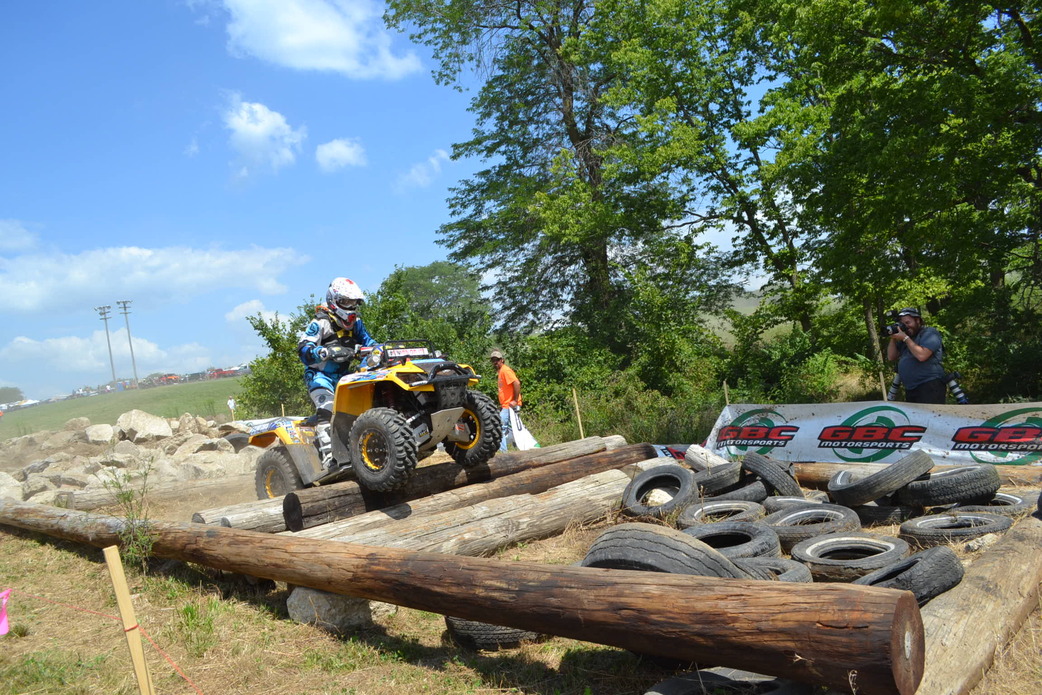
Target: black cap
[909,311]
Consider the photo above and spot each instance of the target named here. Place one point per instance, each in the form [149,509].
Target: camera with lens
[892,328]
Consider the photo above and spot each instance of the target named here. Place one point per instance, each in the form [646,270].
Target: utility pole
[103,311]
[123,304]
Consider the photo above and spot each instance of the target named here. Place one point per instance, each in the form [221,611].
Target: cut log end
[907,645]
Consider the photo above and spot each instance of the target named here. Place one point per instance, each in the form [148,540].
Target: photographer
[918,351]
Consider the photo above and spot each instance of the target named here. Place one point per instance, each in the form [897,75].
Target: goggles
[348,304]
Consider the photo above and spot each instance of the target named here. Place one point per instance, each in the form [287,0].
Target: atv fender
[305,460]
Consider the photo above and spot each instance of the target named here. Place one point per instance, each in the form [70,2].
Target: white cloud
[192,149]
[87,359]
[262,138]
[15,237]
[345,36]
[337,154]
[422,175]
[253,307]
[162,275]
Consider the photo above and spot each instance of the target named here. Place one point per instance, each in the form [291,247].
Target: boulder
[60,440]
[34,485]
[9,487]
[140,427]
[100,434]
[189,423]
[76,424]
[127,448]
[334,613]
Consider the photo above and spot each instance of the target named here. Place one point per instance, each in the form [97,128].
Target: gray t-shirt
[915,373]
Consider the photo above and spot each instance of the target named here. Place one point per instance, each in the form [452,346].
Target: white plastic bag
[523,439]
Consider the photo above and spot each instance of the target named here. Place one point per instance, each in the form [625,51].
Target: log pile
[810,633]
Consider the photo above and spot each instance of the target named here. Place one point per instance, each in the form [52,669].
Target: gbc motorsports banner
[881,432]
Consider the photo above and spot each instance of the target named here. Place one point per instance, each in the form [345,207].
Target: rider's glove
[339,353]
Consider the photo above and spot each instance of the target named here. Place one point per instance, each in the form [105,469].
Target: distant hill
[205,398]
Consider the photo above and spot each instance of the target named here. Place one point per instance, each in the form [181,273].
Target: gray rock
[60,440]
[10,487]
[128,448]
[34,485]
[75,479]
[100,434]
[139,426]
[334,613]
[76,424]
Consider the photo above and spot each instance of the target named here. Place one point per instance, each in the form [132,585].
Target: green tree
[275,383]
[10,394]
[555,216]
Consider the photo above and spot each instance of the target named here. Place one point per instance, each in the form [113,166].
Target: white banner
[881,432]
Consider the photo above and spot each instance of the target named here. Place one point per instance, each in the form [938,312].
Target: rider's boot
[324,442]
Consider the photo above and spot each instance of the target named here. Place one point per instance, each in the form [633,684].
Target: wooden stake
[578,416]
[727,394]
[882,385]
[130,625]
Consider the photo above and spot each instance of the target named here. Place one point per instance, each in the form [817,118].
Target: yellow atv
[403,401]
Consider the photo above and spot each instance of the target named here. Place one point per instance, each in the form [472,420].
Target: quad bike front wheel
[481,420]
[276,476]
[383,449]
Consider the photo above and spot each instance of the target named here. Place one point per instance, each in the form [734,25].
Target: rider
[326,347]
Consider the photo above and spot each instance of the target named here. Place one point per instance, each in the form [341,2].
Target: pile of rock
[38,467]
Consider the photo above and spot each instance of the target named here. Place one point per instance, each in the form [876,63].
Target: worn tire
[672,478]
[926,574]
[928,531]
[473,634]
[651,548]
[383,449]
[1011,503]
[849,490]
[876,514]
[845,556]
[276,475]
[719,510]
[969,484]
[238,440]
[772,474]
[718,478]
[797,524]
[778,503]
[721,681]
[734,539]
[481,417]
[755,491]
[781,569]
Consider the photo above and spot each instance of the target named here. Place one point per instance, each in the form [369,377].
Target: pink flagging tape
[4,627]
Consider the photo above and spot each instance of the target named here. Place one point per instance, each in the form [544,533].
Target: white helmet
[343,298]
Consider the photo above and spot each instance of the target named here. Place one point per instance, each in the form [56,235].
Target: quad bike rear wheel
[276,475]
[481,419]
[383,449]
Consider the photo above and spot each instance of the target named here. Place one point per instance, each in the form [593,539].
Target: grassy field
[206,398]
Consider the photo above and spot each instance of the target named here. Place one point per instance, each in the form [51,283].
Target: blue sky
[207,160]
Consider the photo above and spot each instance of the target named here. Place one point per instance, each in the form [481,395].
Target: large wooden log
[816,475]
[843,636]
[482,528]
[321,505]
[966,626]
[268,515]
[403,525]
[173,490]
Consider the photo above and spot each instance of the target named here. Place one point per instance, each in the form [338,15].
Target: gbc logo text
[870,436]
[1012,438]
[754,435]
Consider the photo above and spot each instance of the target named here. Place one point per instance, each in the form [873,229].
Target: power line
[124,304]
[103,311]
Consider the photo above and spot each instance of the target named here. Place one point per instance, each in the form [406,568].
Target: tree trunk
[261,515]
[102,497]
[816,475]
[519,486]
[967,625]
[830,634]
[317,506]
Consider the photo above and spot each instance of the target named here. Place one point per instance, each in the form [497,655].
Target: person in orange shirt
[509,394]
